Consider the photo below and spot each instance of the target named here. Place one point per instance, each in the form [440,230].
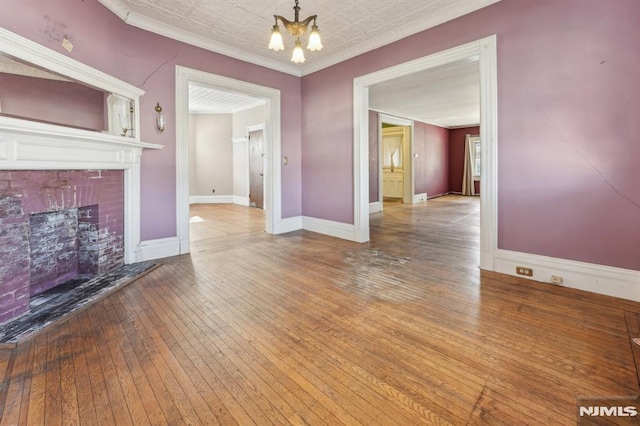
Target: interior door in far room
[395,170]
[256,169]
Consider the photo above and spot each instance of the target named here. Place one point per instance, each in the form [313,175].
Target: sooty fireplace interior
[56,225]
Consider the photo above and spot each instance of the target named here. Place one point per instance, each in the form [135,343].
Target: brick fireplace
[71,190]
[56,225]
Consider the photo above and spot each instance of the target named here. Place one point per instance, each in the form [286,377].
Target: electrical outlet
[521,270]
[555,279]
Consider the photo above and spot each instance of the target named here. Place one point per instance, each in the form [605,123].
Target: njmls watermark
[618,410]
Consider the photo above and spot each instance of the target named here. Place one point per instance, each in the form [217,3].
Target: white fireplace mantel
[27,145]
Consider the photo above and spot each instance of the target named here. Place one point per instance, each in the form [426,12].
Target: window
[475,155]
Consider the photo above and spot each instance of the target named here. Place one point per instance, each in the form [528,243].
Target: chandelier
[296,29]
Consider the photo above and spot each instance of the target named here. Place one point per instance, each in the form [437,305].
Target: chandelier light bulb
[298,53]
[276,39]
[314,39]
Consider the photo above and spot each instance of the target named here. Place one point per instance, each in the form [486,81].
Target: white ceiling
[447,96]
[241,28]
[208,100]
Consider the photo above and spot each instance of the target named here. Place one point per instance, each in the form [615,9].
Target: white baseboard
[418,198]
[211,199]
[607,280]
[375,207]
[219,199]
[242,201]
[288,224]
[157,249]
[329,227]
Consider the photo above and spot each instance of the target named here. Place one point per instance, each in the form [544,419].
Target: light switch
[285,160]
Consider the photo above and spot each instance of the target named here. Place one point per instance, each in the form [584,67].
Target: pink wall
[456,157]
[53,101]
[567,125]
[327,145]
[431,143]
[148,61]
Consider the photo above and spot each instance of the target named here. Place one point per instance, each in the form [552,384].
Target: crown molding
[118,7]
[439,16]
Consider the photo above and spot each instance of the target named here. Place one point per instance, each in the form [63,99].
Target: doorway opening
[237,146]
[484,52]
[255,138]
[396,176]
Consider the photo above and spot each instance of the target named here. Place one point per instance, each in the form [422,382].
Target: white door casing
[483,50]
[272,144]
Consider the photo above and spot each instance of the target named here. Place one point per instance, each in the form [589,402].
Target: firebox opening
[64,246]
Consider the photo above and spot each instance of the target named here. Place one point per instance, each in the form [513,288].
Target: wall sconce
[160,119]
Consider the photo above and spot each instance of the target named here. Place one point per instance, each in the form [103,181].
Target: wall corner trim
[241,201]
[329,227]
[288,224]
[157,249]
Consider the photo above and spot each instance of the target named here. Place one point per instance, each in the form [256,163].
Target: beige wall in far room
[210,155]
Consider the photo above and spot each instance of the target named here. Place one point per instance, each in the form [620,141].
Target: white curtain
[468,188]
[392,152]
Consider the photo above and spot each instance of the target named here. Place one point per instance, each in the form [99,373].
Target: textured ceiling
[241,28]
[207,100]
[447,96]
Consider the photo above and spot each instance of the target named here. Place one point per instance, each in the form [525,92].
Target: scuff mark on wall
[54,30]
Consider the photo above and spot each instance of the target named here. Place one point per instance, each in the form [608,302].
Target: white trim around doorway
[396,121]
[484,51]
[272,139]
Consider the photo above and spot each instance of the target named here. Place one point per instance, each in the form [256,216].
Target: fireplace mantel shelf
[15,126]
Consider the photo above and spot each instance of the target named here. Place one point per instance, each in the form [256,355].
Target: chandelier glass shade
[297,29]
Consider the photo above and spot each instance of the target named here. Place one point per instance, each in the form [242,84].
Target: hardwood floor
[306,329]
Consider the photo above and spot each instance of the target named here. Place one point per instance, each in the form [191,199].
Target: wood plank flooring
[306,329]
